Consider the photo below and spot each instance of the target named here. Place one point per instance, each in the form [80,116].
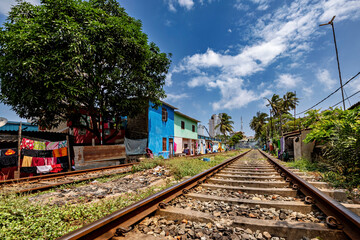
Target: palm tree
[290,101]
[276,103]
[282,106]
[258,122]
[225,124]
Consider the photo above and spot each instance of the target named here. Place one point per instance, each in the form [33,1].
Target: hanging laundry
[62,160]
[56,168]
[61,152]
[37,161]
[28,169]
[50,161]
[27,143]
[43,169]
[27,161]
[52,145]
[39,145]
[44,153]
[30,153]
[63,144]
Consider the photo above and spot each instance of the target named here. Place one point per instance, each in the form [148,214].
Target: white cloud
[5,5]
[286,32]
[308,91]
[262,4]
[175,97]
[168,79]
[340,9]
[355,85]
[241,6]
[325,79]
[288,81]
[167,23]
[188,4]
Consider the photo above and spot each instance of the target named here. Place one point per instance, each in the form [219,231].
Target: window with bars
[164,144]
[182,125]
[164,114]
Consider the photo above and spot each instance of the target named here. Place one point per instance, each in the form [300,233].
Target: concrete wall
[159,129]
[86,157]
[301,149]
[187,132]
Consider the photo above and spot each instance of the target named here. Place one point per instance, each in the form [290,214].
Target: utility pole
[241,124]
[295,114]
[337,56]
[271,130]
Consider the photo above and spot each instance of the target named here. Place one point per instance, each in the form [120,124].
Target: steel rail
[57,175]
[121,220]
[341,217]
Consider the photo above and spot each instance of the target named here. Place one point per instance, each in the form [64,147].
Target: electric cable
[346,98]
[330,94]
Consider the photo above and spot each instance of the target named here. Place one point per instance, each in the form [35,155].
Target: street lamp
[337,56]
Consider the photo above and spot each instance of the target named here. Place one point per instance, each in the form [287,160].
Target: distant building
[214,120]
[186,134]
[201,130]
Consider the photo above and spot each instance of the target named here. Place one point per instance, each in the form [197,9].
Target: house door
[171,147]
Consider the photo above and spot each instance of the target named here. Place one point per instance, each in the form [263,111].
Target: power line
[330,95]
[346,98]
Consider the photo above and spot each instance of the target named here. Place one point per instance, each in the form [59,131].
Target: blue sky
[228,55]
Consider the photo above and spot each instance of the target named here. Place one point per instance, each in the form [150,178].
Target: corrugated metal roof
[14,126]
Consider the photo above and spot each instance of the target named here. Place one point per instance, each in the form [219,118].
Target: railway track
[46,182]
[249,196]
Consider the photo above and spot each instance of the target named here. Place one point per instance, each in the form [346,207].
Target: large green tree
[65,56]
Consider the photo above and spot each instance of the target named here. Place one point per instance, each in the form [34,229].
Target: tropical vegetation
[225,125]
[335,131]
[272,126]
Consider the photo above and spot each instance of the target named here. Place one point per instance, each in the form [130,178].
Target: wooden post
[68,150]
[17,173]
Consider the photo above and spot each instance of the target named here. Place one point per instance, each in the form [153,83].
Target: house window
[164,144]
[182,125]
[193,128]
[164,115]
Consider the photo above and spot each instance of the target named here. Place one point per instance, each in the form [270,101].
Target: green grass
[182,167]
[24,219]
[328,173]
[306,165]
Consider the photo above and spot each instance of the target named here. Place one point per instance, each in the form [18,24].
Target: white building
[201,130]
[213,121]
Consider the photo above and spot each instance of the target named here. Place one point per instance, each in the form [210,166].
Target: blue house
[161,130]
[156,126]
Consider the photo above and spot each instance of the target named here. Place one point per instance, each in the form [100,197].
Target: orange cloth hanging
[61,152]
